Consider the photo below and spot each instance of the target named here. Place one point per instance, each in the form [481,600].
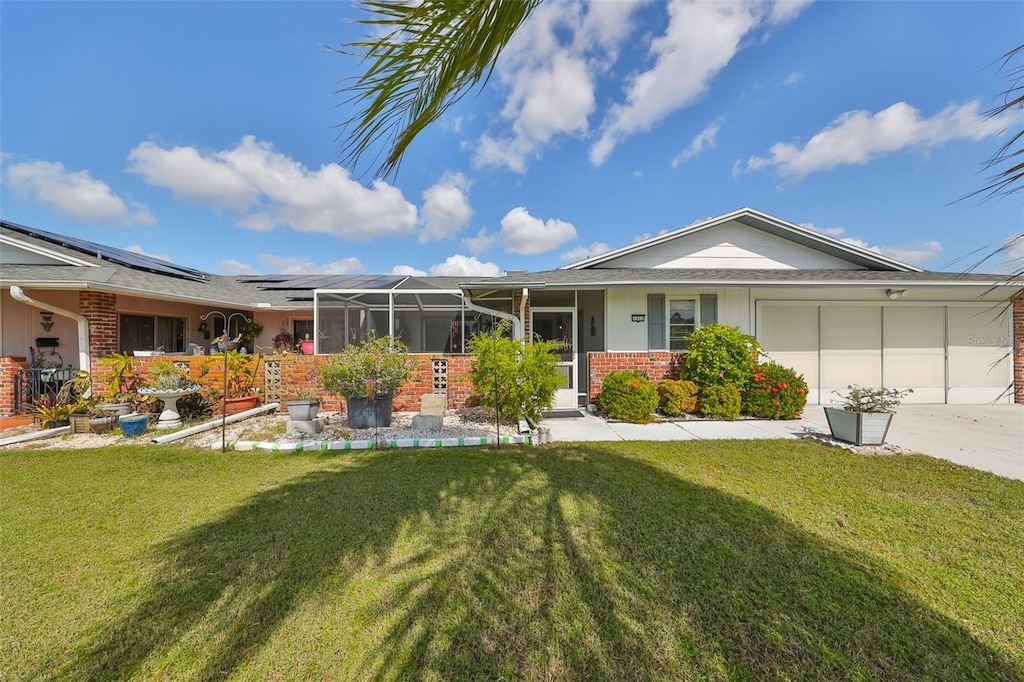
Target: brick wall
[299,373]
[9,367]
[100,308]
[1018,351]
[658,365]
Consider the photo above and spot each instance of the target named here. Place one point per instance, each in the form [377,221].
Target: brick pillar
[9,367]
[1018,350]
[100,308]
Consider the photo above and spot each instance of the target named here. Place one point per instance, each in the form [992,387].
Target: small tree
[516,379]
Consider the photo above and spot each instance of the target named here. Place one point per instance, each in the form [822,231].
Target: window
[302,329]
[682,318]
[151,332]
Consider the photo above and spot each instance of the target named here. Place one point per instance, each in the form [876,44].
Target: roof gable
[743,239]
[19,252]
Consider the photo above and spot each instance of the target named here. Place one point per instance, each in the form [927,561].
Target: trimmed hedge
[629,396]
[721,355]
[720,402]
[776,392]
[677,397]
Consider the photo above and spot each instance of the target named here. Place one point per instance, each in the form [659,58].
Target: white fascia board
[719,220]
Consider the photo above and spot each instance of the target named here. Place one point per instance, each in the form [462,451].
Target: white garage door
[897,346]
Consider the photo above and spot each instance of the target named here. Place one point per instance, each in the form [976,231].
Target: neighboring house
[835,312]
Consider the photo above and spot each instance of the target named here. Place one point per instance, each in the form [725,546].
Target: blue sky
[207,133]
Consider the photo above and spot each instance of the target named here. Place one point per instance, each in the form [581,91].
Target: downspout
[522,308]
[83,324]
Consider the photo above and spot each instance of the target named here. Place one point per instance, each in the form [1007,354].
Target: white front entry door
[559,325]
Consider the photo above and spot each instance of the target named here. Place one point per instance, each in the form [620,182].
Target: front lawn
[685,560]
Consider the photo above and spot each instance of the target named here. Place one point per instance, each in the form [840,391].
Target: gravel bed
[461,423]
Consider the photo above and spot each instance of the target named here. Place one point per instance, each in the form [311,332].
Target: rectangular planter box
[859,428]
[80,423]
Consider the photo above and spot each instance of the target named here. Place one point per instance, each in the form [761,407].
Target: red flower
[758,377]
[776,402]
[783,385]
[800,391]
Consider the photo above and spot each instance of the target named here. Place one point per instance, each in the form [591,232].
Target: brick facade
[1018,350]
[9,367]
[299,374]
[658,365]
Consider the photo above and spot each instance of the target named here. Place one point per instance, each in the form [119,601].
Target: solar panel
[310,282]
[128,259]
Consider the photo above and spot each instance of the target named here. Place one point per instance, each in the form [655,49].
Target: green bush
[721,355]
[517,379]
[629,396]
[720,402]
[775,392]
[381,359]
[677,397]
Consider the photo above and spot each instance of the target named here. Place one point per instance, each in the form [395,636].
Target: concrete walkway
[986,437]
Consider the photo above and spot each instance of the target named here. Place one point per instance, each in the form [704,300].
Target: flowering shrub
[721,355]
[720,402]
[776,392]
[629,396]
[677,397]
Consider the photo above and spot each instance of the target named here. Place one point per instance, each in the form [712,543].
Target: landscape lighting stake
[224,396]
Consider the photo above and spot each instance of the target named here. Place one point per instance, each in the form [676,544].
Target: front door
[559,325]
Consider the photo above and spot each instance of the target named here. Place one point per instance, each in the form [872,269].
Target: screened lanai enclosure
[428,314]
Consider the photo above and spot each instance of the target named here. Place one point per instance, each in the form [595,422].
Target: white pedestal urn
[169,418]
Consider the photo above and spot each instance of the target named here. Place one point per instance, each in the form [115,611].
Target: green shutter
[708,308]
[655,321]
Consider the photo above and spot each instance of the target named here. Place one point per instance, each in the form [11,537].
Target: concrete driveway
[987,437]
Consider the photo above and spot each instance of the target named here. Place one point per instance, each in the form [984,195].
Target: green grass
[720,560]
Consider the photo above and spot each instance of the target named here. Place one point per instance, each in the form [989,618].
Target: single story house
[837,313]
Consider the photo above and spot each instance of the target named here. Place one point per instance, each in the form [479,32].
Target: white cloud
[464,266]
[446,208]
[272,189]
[549,69]
[785,11]
[705,139]
[914,253]
[135,248]
[237,267]
[857,137]
[526,235]
[73,193]
[701,38]
[292,265]
[407,271]
[297,265]
[793,78]
[483,241]
[583,251]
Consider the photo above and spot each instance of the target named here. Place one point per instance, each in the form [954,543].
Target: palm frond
[427,57]
[1008,160]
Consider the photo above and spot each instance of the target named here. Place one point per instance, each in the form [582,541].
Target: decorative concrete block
[433,404]
[427,422]
[312,426]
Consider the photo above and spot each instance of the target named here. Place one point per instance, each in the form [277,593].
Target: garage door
[897,346]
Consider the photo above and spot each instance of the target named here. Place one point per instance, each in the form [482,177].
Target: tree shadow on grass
[563,562]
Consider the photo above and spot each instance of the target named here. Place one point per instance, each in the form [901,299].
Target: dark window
[151,332]
[682,319]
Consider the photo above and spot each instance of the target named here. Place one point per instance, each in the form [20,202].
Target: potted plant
[249,332]
[864,415]
[303,405]
[72,399]
[306,345]
[168,383]
[242,393]
[123,383]
[368,376]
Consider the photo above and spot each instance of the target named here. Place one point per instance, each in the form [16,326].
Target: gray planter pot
[859,428]
[302,410]
[118,409]
[367,415]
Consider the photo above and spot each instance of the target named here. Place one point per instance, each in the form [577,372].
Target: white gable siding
[731,245]
[621,303]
